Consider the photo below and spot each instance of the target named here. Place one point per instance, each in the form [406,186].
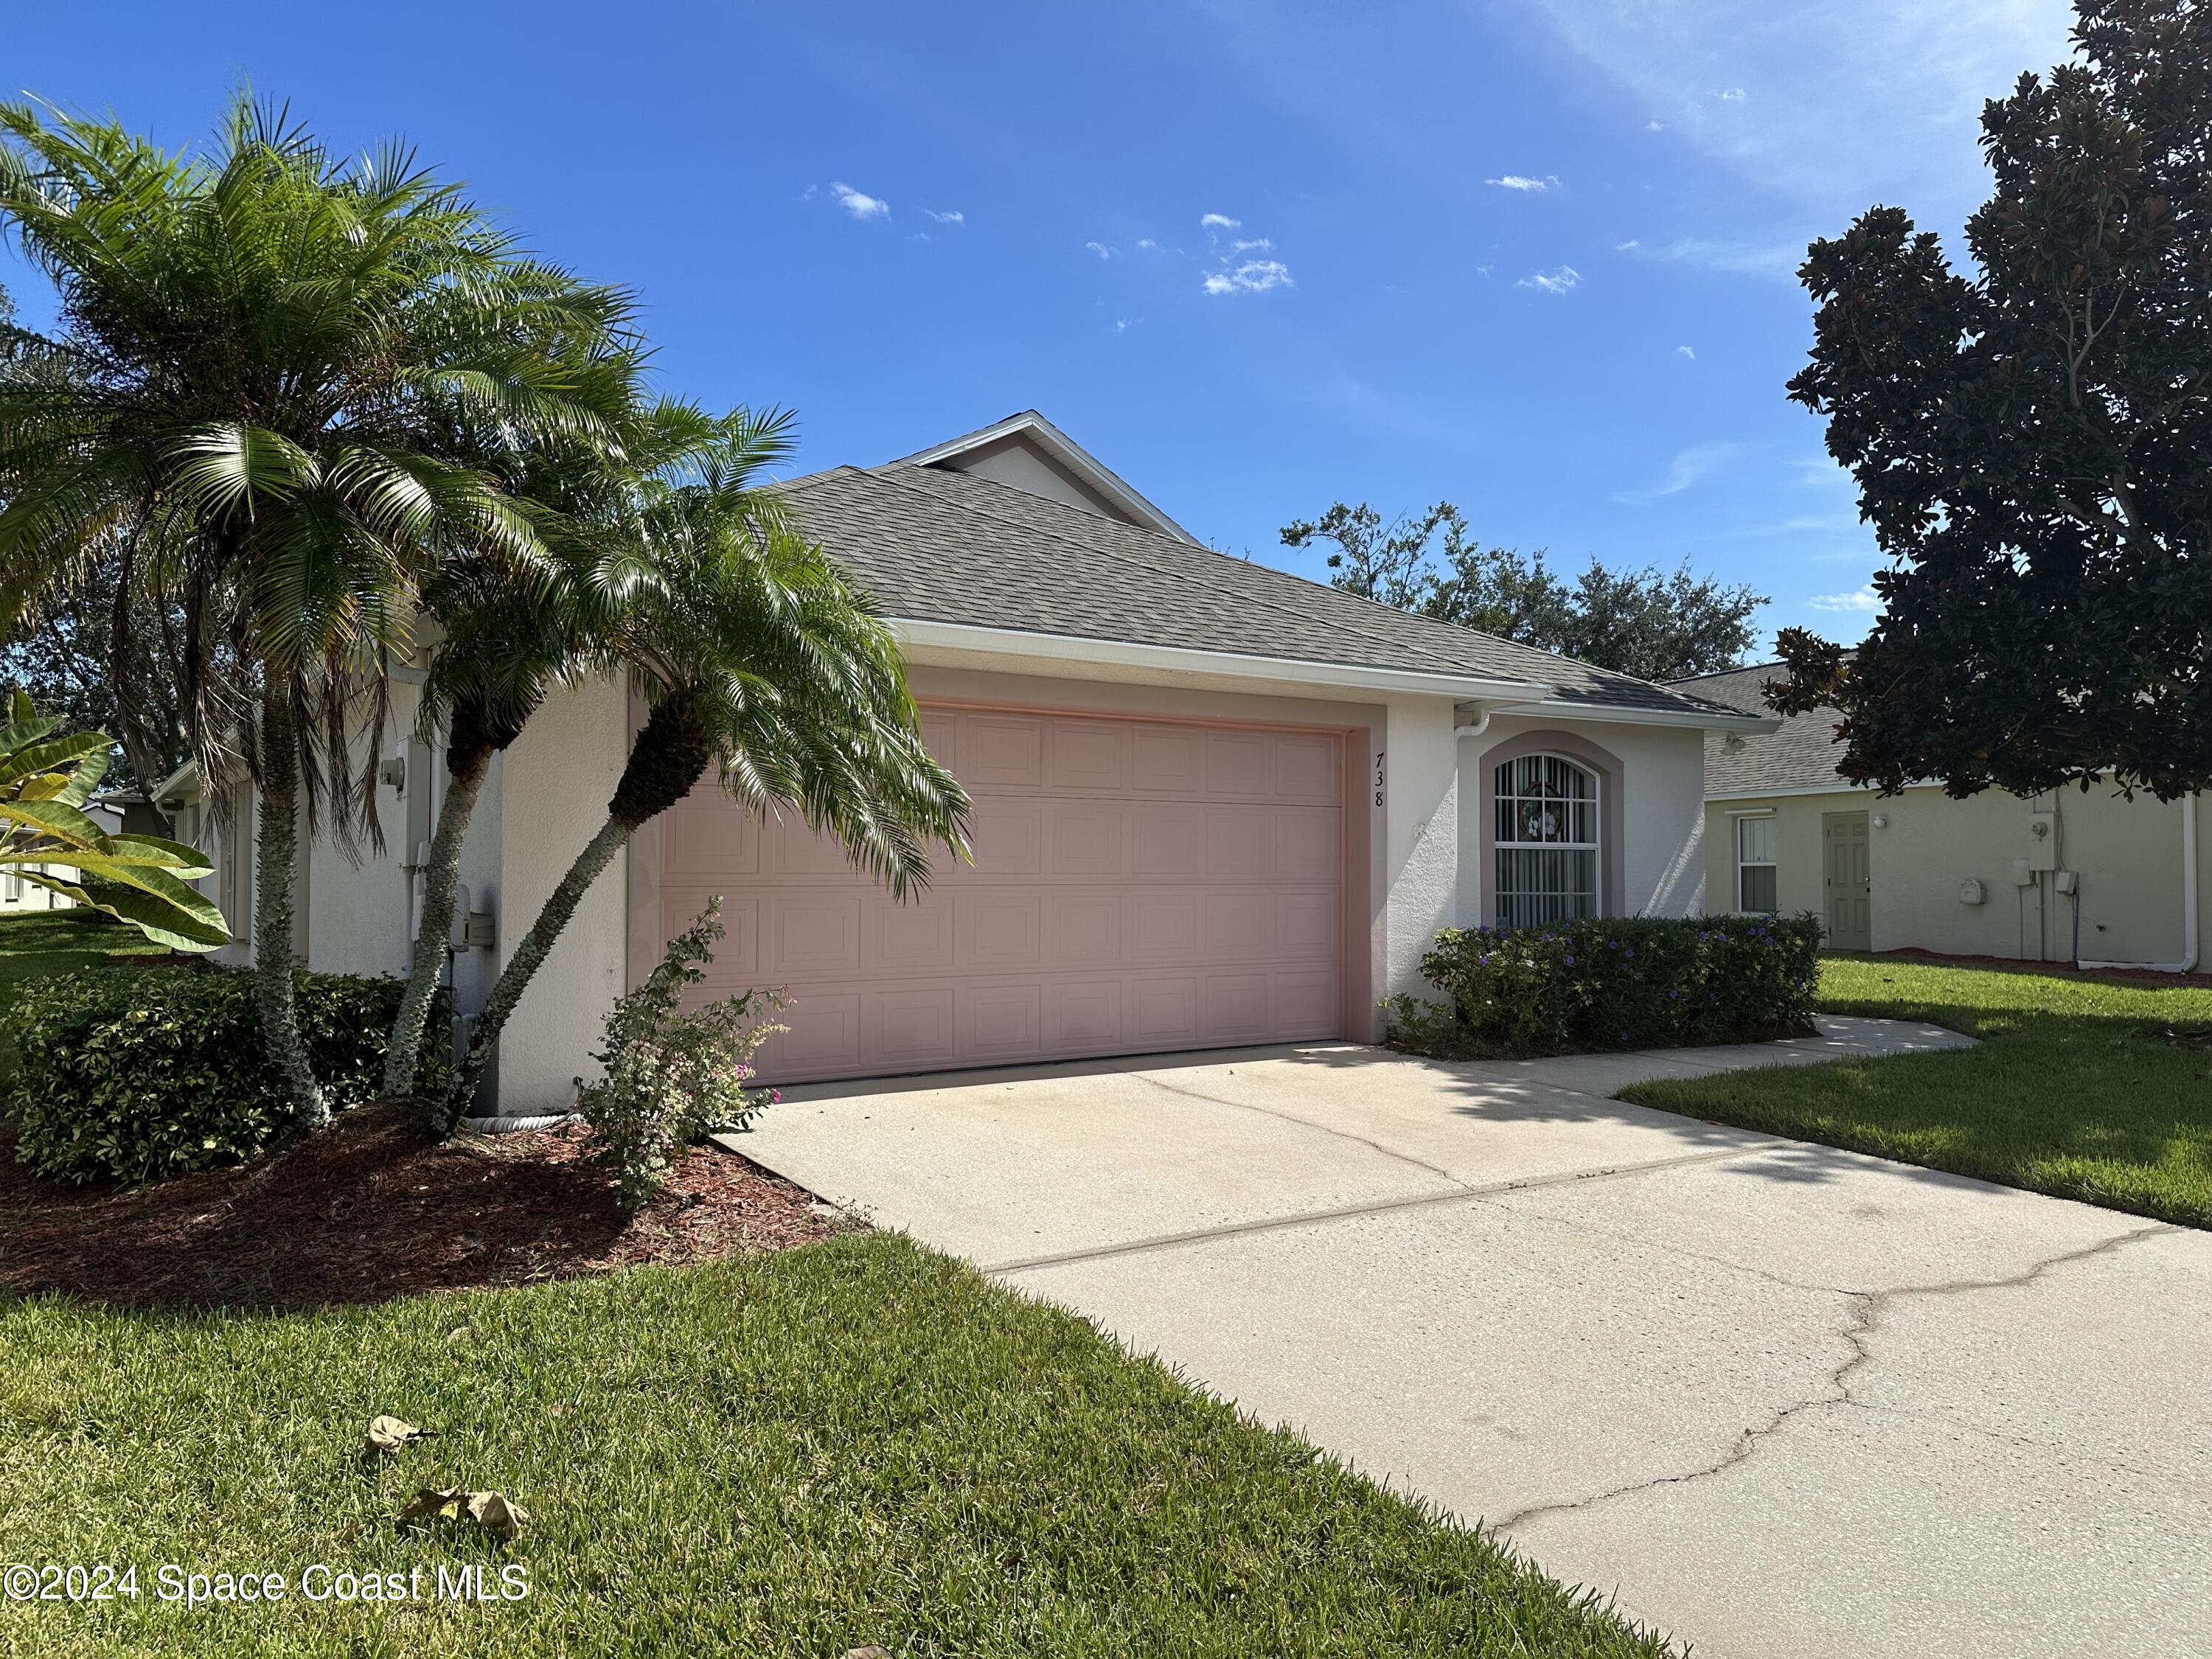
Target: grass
[35,943]
[2076,1090]
[857,1442]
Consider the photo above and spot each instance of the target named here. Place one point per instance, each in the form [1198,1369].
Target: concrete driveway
[1777,1398]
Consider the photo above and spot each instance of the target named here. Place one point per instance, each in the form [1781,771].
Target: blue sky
[1532,257]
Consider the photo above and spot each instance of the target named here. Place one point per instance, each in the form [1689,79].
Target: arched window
[1547,845]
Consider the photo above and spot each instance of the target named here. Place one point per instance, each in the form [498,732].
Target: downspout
[2188,963]
[1480,725]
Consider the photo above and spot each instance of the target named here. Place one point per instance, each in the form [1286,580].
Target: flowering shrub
[671,1076]
[1612,982]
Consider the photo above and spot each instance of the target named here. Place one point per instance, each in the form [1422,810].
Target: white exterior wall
[1421,839]
[553,789]
[356,914]
[2125,856]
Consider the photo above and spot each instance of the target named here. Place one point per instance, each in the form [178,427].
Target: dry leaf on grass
[492,1510]
[389,1434]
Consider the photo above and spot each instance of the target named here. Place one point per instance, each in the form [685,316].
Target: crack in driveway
[1318,1129]
[1865,1310]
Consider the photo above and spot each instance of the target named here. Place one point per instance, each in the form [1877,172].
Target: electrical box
[2063,881]
[417,798]
[479,932]
[2023,873]
[2042,840]
[1970,891]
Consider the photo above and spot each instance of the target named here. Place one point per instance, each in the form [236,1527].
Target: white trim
[1751,812]
[1806,789]
[1067,453]
[1230,664]
[1566,709]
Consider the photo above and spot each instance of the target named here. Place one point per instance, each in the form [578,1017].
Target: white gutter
[2188,963]
[1566,709]
[1230,664]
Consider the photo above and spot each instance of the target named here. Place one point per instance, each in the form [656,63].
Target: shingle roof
[1802,755]
[934,545]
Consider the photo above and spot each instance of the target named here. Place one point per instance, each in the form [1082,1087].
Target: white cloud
[1123,325]
[1732,95]
[1261,243]
[1689,467]
[1220,221]
[859,203]
[1100,249]
[1145,243]
[1556,281]
[1523,182]
[1253,276]
[1865,601]
[1874,101]
[1737,259]
[1685,351]
[952,216]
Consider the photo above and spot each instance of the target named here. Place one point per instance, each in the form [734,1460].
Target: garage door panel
[1083,1015]
[996,931]
[1306,845]
[1237,840]
[1164,927]
[1308,767]
[1168,760]
[1089,756]
[1235,1007]
[1008,840]
[811,933]
[1307,1005]
[1082,929]
[908,1028]
[1137,886]
[913,938]
[998,1022]
[1001,751]
[1085,839]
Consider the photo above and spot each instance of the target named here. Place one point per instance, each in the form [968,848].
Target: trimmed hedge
[136,1074]
[1613,983]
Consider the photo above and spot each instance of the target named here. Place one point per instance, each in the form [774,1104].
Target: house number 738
[1378,777]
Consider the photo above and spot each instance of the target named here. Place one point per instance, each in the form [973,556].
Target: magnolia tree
[2030,438]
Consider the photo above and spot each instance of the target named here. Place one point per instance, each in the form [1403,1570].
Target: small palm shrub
[670,1076]
[1612,982]
[136,1074]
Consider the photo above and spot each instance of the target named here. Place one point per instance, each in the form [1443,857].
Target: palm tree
[758,658]
[293,382]
[506,642]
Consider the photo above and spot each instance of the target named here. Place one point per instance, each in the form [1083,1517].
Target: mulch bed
[2063,969]
[372,1209]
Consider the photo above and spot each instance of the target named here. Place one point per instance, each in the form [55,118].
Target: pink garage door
[1138,887]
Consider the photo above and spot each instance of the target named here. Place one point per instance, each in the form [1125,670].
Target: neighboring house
[2061,877]
[1215,804]
[18,893]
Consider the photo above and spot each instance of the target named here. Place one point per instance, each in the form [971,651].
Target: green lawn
[851,1442]
[2075,1090]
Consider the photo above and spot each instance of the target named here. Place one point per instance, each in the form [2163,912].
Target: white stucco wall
[357,913]
[2126,857]
[553,788]
[1420,838]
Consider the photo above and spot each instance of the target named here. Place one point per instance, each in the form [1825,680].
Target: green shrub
[1614,982]
[136,1074]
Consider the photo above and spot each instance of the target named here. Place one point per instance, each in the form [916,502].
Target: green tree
[757,659]
[507,641]
[2030,439]
[1655,625]
[279,387]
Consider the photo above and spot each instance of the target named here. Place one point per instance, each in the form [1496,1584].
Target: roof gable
[1028,452]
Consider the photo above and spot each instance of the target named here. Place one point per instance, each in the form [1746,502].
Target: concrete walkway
[1776,1398]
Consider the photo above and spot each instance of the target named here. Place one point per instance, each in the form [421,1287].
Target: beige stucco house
[1216,804]
[2068,875]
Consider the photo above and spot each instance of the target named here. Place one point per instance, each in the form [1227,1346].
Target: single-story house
[2068,875]
[1216,804]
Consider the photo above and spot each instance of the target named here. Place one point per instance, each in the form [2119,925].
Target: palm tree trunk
[529,956]
[440,878]
[276,867]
